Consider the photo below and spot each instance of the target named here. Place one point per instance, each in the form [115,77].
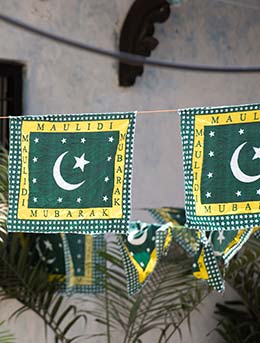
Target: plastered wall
[59,79]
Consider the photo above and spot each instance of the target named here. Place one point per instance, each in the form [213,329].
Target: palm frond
[3,192]
[29,285]
[163,304]
[3,218]
[6,336]
[239,320]
[3,175]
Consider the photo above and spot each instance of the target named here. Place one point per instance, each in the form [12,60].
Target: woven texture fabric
[70,173]
[83,263]
[141,250]
[221,156]
[186,238]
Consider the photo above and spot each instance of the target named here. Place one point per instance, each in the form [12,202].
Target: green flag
[70,173]
[141,250]
[49,249]
[221,154]
[205,264]
[44,249]
[184,237]
[227,243]
[83,263]
[215,250]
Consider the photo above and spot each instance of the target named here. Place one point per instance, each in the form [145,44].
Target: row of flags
[77,262]
[71,175]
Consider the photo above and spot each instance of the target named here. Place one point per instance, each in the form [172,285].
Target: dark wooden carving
[137,35]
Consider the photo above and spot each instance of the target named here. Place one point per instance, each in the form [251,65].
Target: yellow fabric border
[24,212]
[201,121]
[87,279]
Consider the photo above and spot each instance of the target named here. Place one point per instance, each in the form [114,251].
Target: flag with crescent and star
[49,249]
[186,238]
[84,263]
[215,250]
[44,249]
[221,152]
[141,250]
[70,173]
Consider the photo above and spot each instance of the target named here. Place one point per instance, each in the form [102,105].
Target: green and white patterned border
[178,234]
[133,284]
[232,251]
[97,276]
[226,222]
[97,226]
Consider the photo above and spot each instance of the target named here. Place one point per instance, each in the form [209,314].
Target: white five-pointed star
[110,139]
[82,140]
[34,180]
[211,153]
[106,179]
[212,133]
[80,162]
[210,175]
[35,159]
[36,140]
[105,198]
[78,270]
[35,199]
[78,256]
[64,140]
[208,195]
[79,200]
[238,193]
[258,192]
[59,199]
[221,236]
[109,158]
[257,153]
[241,131]
[48,245]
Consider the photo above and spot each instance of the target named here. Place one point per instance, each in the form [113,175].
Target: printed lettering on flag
[71,173]
[222,166]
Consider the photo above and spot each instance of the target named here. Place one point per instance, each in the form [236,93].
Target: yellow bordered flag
[141,249]
[84,264]
[221,154]
[70,173]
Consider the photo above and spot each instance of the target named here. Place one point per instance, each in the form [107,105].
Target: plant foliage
[3,192]
[162,305]
[6,336]
[240,319]
[29,285]
[3,175]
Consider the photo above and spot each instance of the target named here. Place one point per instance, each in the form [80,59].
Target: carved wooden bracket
[137,35]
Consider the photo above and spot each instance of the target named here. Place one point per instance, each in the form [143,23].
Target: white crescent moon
[59,179]
[137,241]
[42,257]
[237,172]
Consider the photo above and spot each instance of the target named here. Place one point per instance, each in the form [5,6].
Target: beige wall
[58,79]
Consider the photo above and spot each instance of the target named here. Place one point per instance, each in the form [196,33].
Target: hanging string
[240,4]
[138,112]
[125,57]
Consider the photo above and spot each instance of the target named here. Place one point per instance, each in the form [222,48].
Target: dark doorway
[10,96]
